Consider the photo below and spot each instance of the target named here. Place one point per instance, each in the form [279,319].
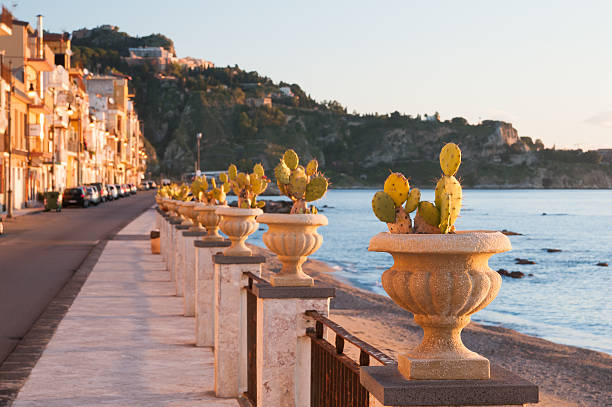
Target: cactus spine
[300,184]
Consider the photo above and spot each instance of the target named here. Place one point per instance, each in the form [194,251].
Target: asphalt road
[40,252]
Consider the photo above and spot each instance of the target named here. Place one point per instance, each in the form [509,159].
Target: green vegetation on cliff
[355,150]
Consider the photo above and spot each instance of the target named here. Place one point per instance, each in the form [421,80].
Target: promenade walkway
[124,341]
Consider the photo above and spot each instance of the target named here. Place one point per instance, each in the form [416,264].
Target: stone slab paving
[124,341]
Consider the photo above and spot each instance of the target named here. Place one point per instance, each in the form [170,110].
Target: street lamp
[198,138]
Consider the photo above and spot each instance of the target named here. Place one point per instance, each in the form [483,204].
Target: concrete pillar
[283,349]
[189,271]
[205,290]
[162,232]
[170,248]
[230,321]
[177,259]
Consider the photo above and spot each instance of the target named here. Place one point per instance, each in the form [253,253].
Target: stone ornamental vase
[292,237]
[163,203]
[183,210]
[442,280]
[172,208]
[193,217]
[210,220]
[238,224]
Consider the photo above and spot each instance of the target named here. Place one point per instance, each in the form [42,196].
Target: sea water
[568,299]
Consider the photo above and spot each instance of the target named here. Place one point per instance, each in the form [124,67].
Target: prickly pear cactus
[429,218]
[213,196]
[300,184]
[247,186]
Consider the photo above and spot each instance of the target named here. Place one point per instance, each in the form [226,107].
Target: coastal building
[258,102]
[157,56]
[193,63]
[52,136]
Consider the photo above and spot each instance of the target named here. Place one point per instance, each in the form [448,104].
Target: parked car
[95,195]
[76,196]
[133,188]
[101,189]
[152,184]
[121,190]
[112,192]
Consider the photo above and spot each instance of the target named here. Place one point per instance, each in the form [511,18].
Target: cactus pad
[223,177]
[412,203]
[450,159]
[397,187]
[383,207]
[291,159]
[312,167]
[429,213]
[282,173]
[298,182]
[316,188]
[259,170]
[232,172]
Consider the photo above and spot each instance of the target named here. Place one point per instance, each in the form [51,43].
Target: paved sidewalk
[124,341]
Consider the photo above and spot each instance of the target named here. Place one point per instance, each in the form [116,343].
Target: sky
[544,66]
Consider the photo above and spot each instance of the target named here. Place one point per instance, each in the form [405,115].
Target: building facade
[60,127]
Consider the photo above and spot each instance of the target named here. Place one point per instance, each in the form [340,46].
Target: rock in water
[524,261]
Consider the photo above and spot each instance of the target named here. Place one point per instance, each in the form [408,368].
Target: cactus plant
[430,218]
[301,185]
[247,186]
[213,196]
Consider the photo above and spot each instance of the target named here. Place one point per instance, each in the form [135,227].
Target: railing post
[189,271]
[283,348]
[205,290]
[230,321]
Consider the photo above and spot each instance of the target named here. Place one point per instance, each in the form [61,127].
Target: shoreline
[567,375]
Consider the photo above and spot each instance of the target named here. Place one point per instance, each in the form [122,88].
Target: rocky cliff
[355,150]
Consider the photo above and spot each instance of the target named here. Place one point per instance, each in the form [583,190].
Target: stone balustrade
[275,346]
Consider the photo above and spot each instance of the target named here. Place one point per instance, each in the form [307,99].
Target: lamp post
[52,89]
[198,138]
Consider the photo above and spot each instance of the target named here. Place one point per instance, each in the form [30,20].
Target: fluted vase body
[173,209]
[292,237]
[238,224]
[442,280]
[183,210]
[193,217]
[208,217]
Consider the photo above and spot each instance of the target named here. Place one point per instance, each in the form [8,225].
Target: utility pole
[9,210]
[198,138]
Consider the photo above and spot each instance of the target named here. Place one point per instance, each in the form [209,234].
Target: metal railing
[251,299]
[335,376]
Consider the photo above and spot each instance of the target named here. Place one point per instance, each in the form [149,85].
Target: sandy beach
[566,375]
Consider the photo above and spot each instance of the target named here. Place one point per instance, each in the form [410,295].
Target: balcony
[36,130]
[44,64]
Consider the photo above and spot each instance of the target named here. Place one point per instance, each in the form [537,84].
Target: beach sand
[566,375]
